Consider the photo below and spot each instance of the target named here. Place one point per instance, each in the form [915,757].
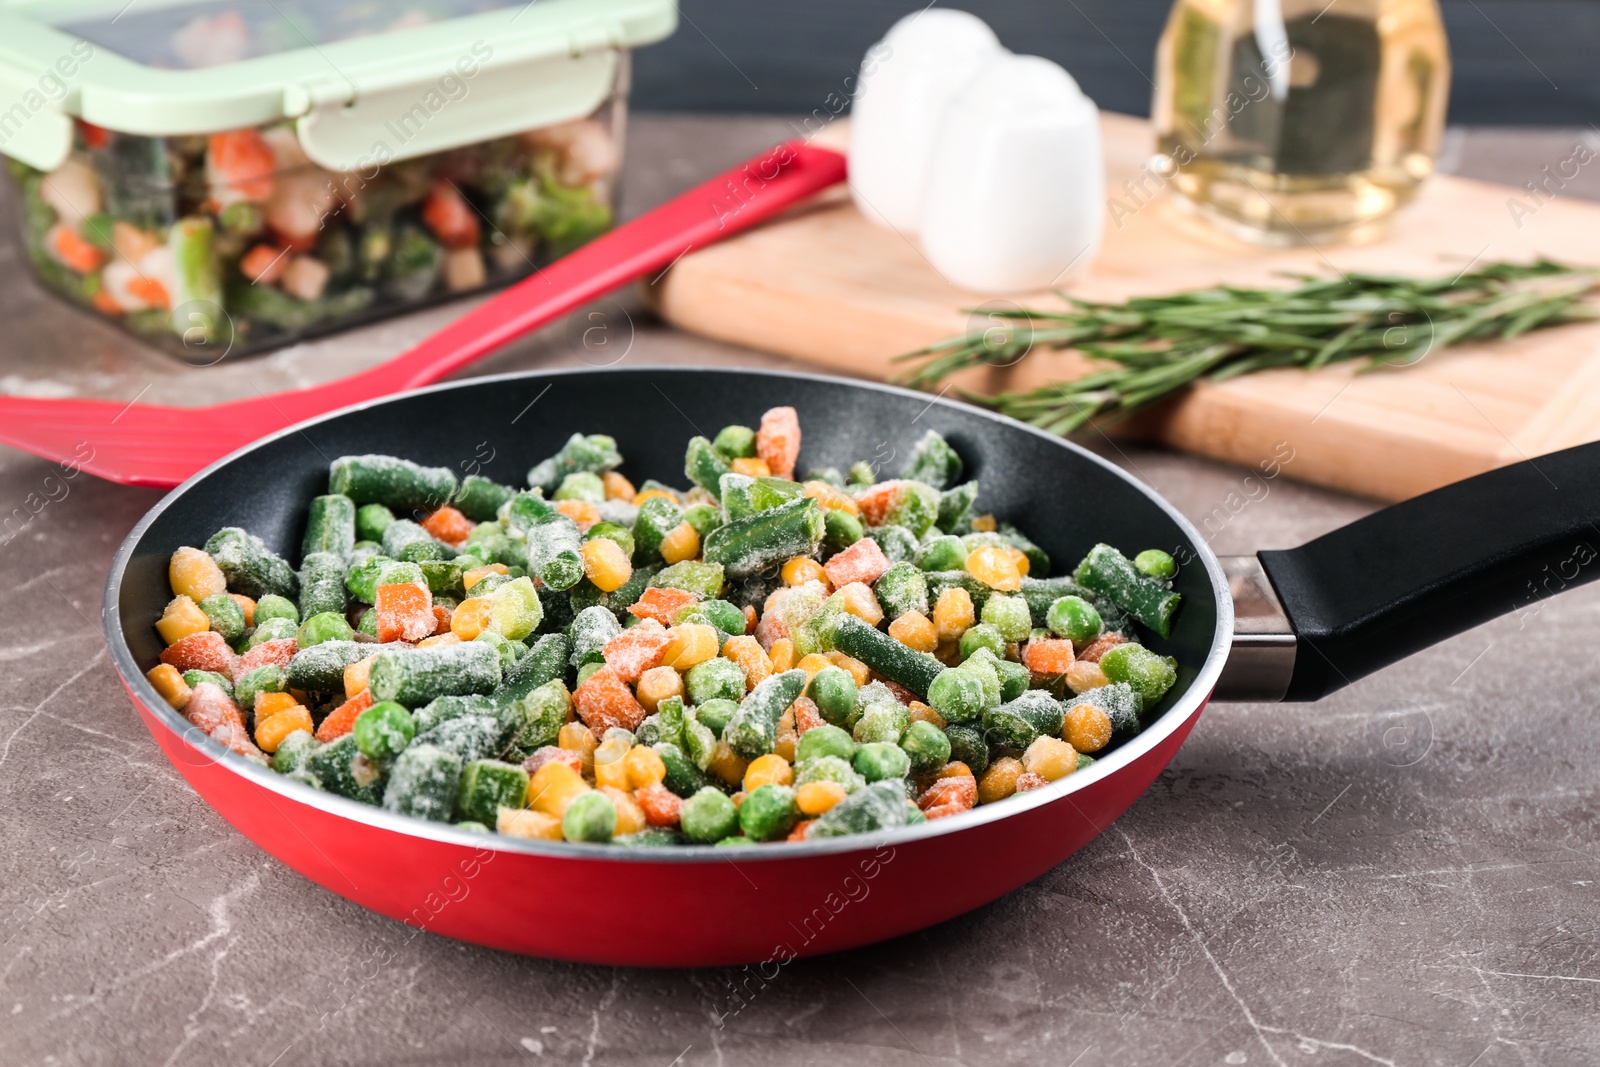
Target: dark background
[1516,62]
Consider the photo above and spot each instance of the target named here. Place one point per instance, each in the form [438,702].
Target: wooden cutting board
[825,285]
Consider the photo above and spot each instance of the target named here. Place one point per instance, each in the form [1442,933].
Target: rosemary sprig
[1157,346]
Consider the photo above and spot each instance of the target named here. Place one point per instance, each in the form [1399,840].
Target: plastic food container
[223,177]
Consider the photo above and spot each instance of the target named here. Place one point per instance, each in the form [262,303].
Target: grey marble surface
[1404,873]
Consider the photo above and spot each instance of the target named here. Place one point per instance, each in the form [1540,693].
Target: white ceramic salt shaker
[904,84]
[1016,189]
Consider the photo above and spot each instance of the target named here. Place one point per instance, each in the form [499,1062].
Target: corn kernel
[830,498]
[553,786]
[857,669]
[682,542]
[691,643]
[644,767]
[576,737]
[581,512]
[1050,758]
[656,685]
[749,618]
[994,567]
[630,816]
[953,614]
[915,630]
[726,765]
[1000,780]
[246,605]
[183,618]
[1087,728]
[168,682]
[954,769]
[645,494]
[921,712]
[782,655]
[470,578]
[858,600]
[194,574]
[770,769]
[1083,676]
[356,675]
[803,569]
[814,798]
[608,766]
[752,467]
[984,524]
[617,486]
[751,657]
[1020,558]
[528,825]
[272,729]
[270,704]
[812,664]
[606,564]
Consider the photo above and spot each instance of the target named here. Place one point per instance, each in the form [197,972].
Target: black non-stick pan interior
[1062,496]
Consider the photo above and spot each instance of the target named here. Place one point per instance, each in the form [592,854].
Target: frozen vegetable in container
[220,176]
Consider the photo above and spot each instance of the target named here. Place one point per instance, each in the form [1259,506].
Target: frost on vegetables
[759,658]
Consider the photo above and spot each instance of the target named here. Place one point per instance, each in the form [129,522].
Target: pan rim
[1184,710]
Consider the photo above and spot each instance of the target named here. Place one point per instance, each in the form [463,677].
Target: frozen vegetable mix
[760,658]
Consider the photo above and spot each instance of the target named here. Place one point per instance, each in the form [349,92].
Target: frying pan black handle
[1411,575]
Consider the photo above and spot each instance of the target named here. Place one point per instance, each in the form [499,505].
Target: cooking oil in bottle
[1291,122]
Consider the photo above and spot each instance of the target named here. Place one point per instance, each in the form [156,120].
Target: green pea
[1013,678]
[225,615]
[369,622]
[268,679]
[735,842]
[878,760]
[582,485]
[824,741]
[983,635]
[882,722]
[840,529]
[371,521]
[1009,616]
[384,730]
[707,816]
[833,690]
[736,442]
[715,679]
[957,694]
[1156,563]
[273,606]
[862,474]
[194,678]
[1144,671]
[277,629]
[926,746]
[612,531]
[328,626]
[768,812]
[943,553]
[590,817]
[588,669]
[828,769]
[715,714]
[1075,619]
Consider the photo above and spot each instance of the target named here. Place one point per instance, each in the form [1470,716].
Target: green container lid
[365,81]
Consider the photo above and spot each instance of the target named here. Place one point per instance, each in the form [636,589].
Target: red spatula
[146,444]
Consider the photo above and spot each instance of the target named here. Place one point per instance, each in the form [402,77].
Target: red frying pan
[1281,625]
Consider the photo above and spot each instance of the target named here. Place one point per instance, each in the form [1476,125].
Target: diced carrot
[448,525]
[149,291]
[264,264]
[342,719]
[404,612]
[661,604]
[778,440]
[74,251]
[206,651]
[447,213]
